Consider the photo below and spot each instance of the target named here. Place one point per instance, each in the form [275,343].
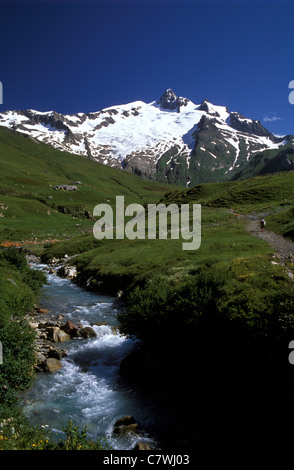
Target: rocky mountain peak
[171,102]
[207,107]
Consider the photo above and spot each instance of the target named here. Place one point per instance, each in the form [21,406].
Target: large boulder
[87,332]
[71,329]
[69,272]
[52,333]
[56,353]
[52,365]
[126,425]
[55,334]
[62,336]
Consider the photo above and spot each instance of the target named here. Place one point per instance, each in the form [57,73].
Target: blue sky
[84,56]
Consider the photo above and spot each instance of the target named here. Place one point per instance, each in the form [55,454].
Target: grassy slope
[224,238]
[29,170]
[267,161]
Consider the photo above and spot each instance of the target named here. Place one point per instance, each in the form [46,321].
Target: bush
[17,434]
[160,309]
[77,439]
[13,257]
[19,287]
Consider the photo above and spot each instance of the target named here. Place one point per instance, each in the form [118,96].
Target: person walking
[262,224]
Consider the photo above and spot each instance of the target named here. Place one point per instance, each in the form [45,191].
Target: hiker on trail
[262,224]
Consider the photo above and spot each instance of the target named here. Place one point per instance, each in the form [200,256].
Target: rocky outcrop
[207,108]
[169,101]
[249,126]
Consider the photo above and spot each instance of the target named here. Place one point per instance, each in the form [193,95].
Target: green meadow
[30,207]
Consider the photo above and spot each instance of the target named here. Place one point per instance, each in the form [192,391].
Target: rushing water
[88,388]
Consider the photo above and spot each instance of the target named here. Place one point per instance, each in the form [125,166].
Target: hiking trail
[284,247]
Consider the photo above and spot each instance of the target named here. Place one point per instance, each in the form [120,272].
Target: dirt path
[283,247]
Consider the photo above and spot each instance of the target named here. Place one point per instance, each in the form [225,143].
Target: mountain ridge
[171,140]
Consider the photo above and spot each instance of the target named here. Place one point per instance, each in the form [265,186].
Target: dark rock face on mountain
[171,102]
[240,123]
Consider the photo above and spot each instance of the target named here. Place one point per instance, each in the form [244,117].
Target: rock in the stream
[71,329]
[142,446]
[56,335]
[62,336]
[69,272]
[126,425]
[87,332]
[52,365]
[56,353]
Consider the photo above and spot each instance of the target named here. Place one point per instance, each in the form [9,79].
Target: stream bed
[88,389]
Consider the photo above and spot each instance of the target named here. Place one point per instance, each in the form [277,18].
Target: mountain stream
[88,389]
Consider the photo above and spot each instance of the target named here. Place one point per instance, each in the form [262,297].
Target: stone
[40,358]
[125,421]
[56,353]
[41,310]
[62,336]
[52,333]
[87,332]
[69,272]
[50,322]
[126,425]
[55,334]
[52,365]
[71,329]
[142,446]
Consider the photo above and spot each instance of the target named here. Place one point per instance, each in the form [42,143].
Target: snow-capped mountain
[171,140]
